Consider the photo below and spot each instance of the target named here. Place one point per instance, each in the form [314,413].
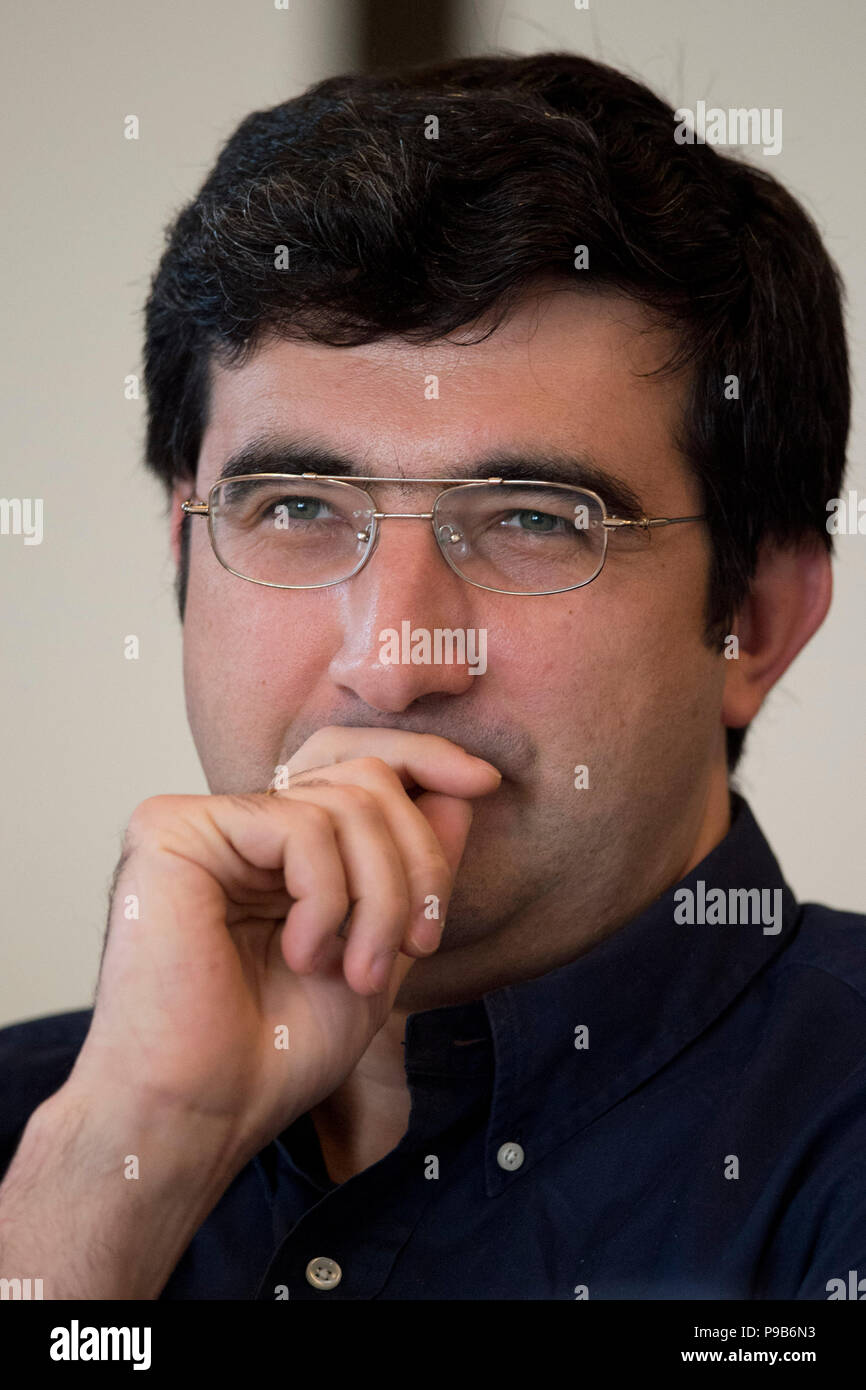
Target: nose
[406,621]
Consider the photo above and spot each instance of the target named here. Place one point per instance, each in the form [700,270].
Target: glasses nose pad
[453,545]
[369,536]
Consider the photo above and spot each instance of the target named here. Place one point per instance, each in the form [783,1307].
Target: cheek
[621,675]
[250,654]
[657,694]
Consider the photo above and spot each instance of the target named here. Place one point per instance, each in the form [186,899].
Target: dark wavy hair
[392,233]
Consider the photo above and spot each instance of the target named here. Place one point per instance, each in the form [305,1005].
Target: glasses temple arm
[614,523]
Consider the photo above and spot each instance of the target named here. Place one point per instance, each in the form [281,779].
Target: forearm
[101,1203]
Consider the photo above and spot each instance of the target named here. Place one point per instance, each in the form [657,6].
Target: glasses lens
[294,532]
[522,538]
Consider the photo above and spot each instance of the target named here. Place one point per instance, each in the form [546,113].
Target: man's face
[614,676]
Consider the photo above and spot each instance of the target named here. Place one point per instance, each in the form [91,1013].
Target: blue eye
[542,523]
[305,507]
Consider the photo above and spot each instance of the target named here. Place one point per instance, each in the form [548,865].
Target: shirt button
[510,1156]
[323,1273]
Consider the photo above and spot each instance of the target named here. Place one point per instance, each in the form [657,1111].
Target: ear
[787,603]
[183,490]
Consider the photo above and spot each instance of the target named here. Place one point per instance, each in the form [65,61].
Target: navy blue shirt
[678,1113]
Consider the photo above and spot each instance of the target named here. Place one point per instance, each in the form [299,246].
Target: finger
[376,883]
[425,865]
[215,852]
[236,839]
[315,877]
[400,969]
[450,819]
[423,760]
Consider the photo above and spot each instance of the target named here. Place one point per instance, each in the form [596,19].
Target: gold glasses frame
[194,507]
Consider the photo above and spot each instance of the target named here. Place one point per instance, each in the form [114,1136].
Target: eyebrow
[274,454]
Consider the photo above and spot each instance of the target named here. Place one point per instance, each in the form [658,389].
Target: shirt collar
[643,994]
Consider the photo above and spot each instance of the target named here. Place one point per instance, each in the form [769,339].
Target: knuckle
[150,813]
[316,817]
[362,799]
[375,767]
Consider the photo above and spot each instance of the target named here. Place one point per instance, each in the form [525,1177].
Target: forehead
[563,372]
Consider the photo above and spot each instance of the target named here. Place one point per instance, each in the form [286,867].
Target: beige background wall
[86,734]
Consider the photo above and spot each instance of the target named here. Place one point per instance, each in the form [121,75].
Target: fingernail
[380,970]
[489,766]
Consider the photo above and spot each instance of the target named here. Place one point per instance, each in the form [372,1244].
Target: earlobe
[788,600]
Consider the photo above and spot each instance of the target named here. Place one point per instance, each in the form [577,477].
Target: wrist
[106,1192]
[111,1130]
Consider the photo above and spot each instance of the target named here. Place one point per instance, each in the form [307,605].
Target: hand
[236,949]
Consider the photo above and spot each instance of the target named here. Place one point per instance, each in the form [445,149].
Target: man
[499,429]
